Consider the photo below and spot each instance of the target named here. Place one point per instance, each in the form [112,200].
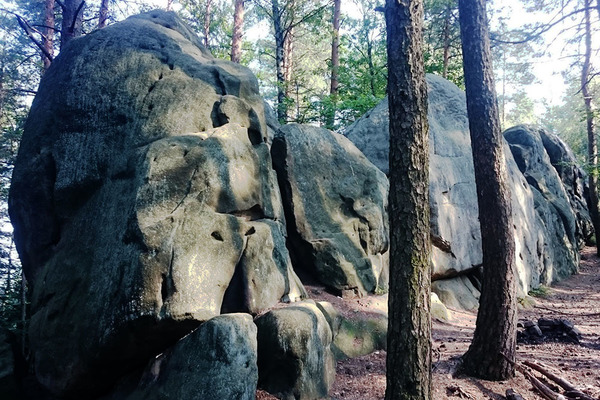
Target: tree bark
[409,329]
[48,34]
[72,21]
[492,351]
[335,47]
[103,14]
[446,41]
[279,61]
[238,31]
[206,26]
[589,118]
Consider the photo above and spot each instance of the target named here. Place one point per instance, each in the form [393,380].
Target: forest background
[319,62]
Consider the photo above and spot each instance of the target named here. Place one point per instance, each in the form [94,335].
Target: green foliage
[541,291]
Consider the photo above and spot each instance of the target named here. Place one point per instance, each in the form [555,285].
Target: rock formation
[454,220]
[336,208]
[152,194]
[154,205]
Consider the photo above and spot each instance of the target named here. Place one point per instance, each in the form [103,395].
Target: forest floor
[576,299]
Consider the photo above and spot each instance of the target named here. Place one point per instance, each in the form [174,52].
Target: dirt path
[576,299]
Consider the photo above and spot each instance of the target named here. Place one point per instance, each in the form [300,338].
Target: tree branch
[28,30]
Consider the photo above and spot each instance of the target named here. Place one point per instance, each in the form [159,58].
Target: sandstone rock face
[335,202]
[154,205]
[216,361]
[454,216]
[552,201]
[295,361]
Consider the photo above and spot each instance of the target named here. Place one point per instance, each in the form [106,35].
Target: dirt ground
[576,299]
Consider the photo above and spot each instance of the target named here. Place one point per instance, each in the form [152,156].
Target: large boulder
[453,197]
[216,361]
[335,202]
[553,203]
[295,360]
[143,201]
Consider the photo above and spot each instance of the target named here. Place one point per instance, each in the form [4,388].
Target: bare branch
[29,31]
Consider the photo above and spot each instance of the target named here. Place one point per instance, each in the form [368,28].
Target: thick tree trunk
[238,31]
[206,26]
[589,118]
[335,47]
[103,14]
[409,330]
[48,34]
[494,341]
[72,21]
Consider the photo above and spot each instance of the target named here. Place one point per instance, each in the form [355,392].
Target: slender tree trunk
[494,341]
[446,40]
[288,61]
[238,31]
[370,64]
[72,21]
[409,329]
[279,62]
[589,117]
[103,14]
[335,47]
[169,5]
[206,27]
[48,34]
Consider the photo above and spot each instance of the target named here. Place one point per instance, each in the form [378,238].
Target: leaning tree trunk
[492,351]
[238,31]
[48,34]
[103,14]
[72,21]
[409,329]
[589,118]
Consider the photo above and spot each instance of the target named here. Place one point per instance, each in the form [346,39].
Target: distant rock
[335,202]
[453,197]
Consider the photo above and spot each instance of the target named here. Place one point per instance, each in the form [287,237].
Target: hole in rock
[217,236]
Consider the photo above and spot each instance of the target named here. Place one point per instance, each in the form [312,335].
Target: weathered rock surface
[335,202]
[358,336]
[153,189]
[214,362]
[295,361]
[454,215]
[9,388]
[552,203]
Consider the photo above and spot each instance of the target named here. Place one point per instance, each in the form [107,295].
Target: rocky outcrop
[214,362]
[335,202]
[154,205]
[454,215]
[558,197]
[294,352]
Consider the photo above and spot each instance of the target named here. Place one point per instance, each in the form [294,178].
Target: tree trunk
[589,117]
[370,63]
[288,61]
[169,5]
[103,14]
[206,27]
[72,21]
[446,40]
[279,62]
[335,47]
[238,31]
[409,330]
[494,341]
[48,34]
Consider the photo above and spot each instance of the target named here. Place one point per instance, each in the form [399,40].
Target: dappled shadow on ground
[576,299]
